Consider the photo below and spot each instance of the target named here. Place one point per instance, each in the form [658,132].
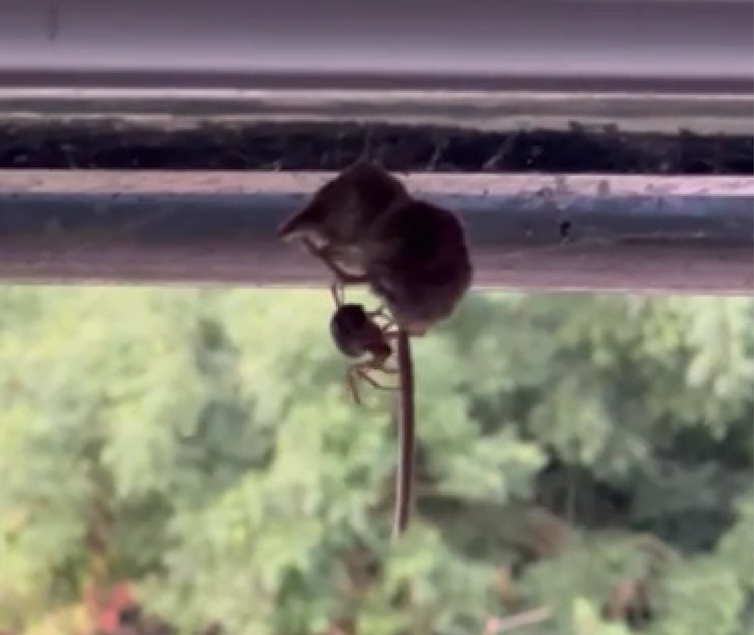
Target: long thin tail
[407,437]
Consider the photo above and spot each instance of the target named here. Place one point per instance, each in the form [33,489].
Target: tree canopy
[584,466]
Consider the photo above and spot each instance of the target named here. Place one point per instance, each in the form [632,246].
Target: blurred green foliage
[586,457]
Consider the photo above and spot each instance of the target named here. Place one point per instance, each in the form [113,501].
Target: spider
[357,333]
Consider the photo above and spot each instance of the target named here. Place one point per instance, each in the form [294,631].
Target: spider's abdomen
[355,334]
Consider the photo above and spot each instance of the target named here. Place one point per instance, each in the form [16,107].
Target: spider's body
[356,334]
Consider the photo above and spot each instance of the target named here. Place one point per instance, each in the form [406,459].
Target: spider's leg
[390,332]
[381,364]
[381,312]
[352,385]
[373,382]
[363,371]
[338,294]
[389,371]
[384,316]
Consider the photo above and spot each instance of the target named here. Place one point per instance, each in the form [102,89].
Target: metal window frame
[638,65]
[613,233]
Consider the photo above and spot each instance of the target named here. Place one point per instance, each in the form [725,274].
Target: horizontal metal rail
[629,111]
[668,45]
[619,233]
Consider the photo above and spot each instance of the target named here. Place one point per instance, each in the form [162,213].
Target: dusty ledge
[556,232]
